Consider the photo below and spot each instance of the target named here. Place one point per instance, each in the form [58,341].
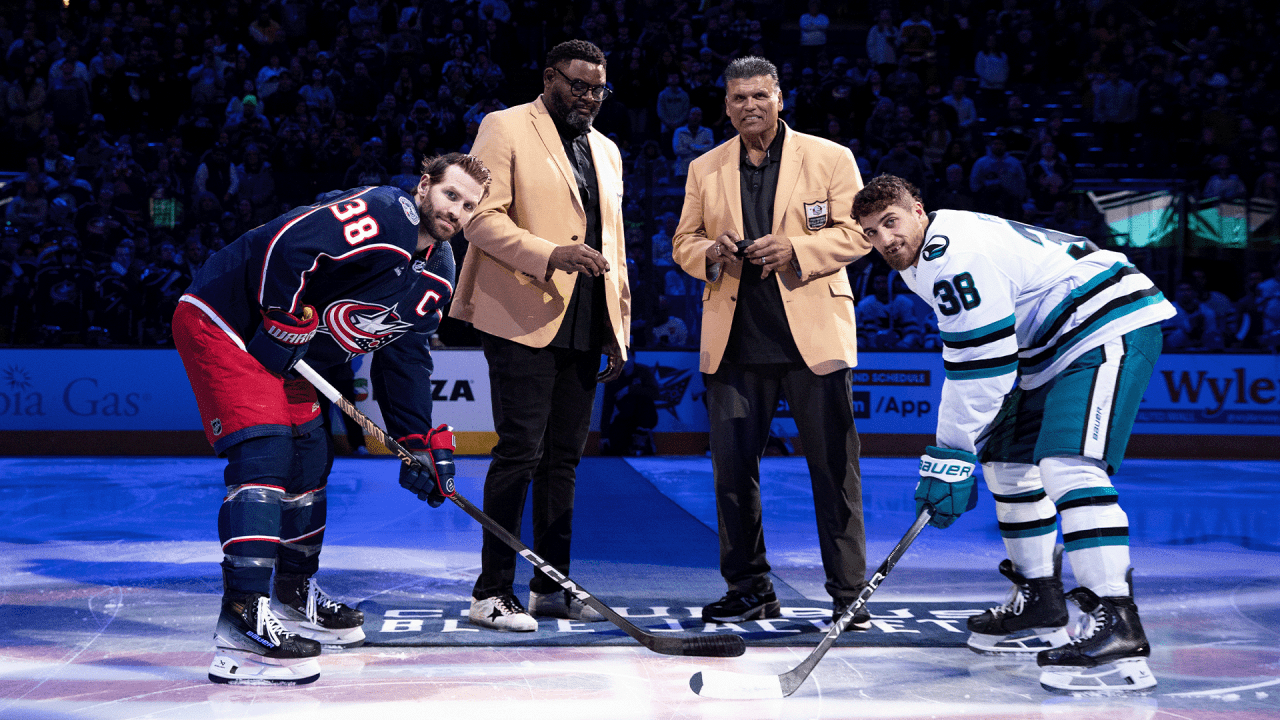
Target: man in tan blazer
[766,223]
[545,283]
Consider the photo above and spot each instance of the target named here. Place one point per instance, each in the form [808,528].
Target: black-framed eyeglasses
[580,88]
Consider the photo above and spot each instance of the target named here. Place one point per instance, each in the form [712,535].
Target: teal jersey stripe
[1069,301]
[1087,493]
[980,373]
[1073,545]
[1089,327]
[979,332]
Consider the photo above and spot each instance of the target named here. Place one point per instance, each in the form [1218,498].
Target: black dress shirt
[760,332]
[583,325]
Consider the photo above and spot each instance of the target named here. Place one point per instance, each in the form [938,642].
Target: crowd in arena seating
[145,135]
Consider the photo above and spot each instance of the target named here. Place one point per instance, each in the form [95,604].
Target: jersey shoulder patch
[410,211]
[935,247]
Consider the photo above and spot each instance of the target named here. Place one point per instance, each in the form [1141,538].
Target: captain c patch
[815,214]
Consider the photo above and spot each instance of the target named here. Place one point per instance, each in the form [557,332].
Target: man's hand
[774,252]
[576,258]
[282,339]
[946,484]
[724,249]
[613,370]
[433,479]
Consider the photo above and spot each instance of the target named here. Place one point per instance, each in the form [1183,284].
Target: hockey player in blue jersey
[1048,345]
[363,270]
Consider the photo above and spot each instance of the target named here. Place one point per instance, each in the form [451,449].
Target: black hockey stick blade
[696,646]
[712,646]
[737,686]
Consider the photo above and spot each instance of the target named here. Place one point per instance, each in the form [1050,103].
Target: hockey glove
[946,484]
[432,480]
[282,339]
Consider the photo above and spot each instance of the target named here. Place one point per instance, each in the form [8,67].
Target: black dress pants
[741,400]
[542,399]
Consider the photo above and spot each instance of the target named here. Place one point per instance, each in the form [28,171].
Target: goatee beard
[565,113]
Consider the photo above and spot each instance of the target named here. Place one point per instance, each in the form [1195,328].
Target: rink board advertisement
[892,393]
[1212,395]
[95,390]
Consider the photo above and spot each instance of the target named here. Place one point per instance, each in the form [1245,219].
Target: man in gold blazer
[766,223]
[545,282]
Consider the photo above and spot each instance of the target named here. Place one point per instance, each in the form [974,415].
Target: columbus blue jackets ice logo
[409,210]
[216,426]
[936,247]
[815,214]
[360,327]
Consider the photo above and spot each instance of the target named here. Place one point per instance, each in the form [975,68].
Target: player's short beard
[427,215]
[902,261]
[563,110]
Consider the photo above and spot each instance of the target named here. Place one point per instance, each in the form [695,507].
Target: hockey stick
[712,646]
[733,686]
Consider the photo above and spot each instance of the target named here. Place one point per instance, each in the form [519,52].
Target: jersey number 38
[357,227]
[959,294]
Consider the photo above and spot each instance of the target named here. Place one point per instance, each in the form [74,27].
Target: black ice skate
[1033,619]
[1108,654]
[309,611]
[251,647]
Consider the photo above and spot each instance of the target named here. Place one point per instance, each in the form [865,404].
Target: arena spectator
[998,181]
[1195,327]
[813,33]
[1224,184]
[882,43]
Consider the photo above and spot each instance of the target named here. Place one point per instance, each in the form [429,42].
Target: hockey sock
[249,519]
[1095,529]
[302,532]
[1028,520]
[305,506]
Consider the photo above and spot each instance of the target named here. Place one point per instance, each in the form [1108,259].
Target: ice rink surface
[109,588]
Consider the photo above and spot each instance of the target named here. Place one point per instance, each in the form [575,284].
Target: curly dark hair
[434,168]
[883,191]
[571,50]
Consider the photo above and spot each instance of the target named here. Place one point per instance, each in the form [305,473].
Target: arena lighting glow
[1153,218]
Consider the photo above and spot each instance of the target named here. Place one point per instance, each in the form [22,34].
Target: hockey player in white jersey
[1048,345]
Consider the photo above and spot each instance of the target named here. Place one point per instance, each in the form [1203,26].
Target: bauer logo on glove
[946,484]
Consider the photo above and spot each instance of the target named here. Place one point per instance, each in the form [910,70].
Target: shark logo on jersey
[410,211]
[815,214]
[360,327]
[936,247]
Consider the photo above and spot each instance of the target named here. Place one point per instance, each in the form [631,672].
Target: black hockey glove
[282,339]
[433,479]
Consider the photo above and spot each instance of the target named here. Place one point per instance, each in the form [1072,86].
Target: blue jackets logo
[936,247]
[362,328]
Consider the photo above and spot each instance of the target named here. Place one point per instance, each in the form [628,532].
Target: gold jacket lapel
[731,184]
[546,128]
[788,178]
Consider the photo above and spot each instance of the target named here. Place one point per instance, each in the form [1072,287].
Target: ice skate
[309,611]
[252,647]
[1033,619]
[1108,654]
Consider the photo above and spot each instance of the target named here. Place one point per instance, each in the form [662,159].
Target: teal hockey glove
[946,484]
